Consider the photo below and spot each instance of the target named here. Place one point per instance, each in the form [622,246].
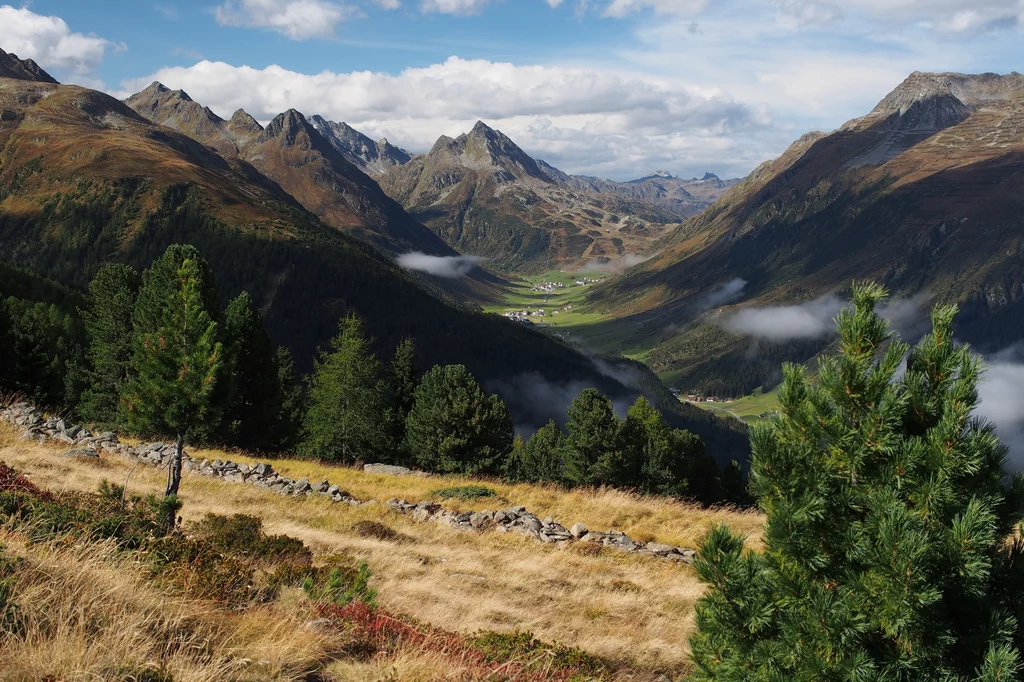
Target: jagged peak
[23,69]
[243,120]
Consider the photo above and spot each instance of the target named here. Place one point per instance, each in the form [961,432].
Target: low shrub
[465,492]
[379,531]
[341,585]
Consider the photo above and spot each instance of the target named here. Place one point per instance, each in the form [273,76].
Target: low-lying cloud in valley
[449,267]
[779,323]
[616,265]
[1002,399]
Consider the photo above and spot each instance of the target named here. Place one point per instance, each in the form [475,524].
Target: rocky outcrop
[49,429]
[22,69]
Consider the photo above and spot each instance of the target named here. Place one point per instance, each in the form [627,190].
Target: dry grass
[91,616]
[632,610]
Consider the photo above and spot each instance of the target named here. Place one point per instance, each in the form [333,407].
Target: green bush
[522,646]
[465,492]
[341,585]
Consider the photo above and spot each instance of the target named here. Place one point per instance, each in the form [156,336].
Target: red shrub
[385,633]
[13,482]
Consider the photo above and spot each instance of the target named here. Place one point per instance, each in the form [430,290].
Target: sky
[612,88]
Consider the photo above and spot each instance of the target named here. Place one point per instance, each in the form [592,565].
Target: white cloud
[594,120]
[1001,391]
[50,42]
[944,16]
[388,4]
[453,6]
[622,8]
[448,267]
[297,19]
[805,321]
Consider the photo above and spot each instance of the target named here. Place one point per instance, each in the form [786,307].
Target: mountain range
[277,211]
[924,194]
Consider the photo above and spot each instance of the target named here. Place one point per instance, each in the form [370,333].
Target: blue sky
[615,88]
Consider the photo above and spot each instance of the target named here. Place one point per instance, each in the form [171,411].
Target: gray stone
[501,517]
[60,426]
[72,431]
[321,487]
[531,523]
[481,520]
[421,514]
[333,490]
[388,469]
[660,549]
[578,530]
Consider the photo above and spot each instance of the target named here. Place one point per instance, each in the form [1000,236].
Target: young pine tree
[888,552]
[401,375]
[254,389]
[593,452]
[346,420]
[454,427]
[540,458]
[108,322]
[176,367]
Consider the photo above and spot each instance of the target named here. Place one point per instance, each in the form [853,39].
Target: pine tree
[454,427]
[108,322]
[254,390]
[288,421]
[888,547]
[346,420]
[593,453]
[401,394]
[541,458]
[176,367]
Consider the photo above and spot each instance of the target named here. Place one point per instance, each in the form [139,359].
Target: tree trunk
[174,468]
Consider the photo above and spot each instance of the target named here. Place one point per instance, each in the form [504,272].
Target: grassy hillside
[923,195]
[635,613]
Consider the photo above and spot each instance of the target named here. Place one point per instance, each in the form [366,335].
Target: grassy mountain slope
[925,194]
[483,195]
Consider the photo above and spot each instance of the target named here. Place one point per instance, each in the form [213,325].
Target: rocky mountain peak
[23,69]
[286,126]
[485,146]
[242,121]
[374,158]
[710,176]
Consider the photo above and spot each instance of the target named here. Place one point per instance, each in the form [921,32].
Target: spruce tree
[455,427]
[401,376]
[593,453]
[540,458]
[176,367]
[288,421]
[889,551]
[254,390]
[108,322]
[346,420]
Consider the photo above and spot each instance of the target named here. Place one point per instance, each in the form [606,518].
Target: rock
[321,487]
[531,523]
[578,530]
[659,549]
[82,452]
[421,515]
[302,486]
[388,469]
[73,431]
[60,426]
[318,625]
[593,536]
[501,517]
[481,520]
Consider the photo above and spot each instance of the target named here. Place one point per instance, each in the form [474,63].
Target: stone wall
[39,427]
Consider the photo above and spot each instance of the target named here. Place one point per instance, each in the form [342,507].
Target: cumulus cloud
[590,120]
[50,41]
[804,321]
[297,19]
[449,267]
[453,6]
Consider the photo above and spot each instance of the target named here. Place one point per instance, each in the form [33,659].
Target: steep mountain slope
[292,153]
[373,158]
[924,194]
[483,195]
[682,197]
[22,69]
[86,180]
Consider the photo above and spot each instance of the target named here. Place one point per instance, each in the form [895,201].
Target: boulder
[481,520]
[388,469]
[578,530]
[659,549]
